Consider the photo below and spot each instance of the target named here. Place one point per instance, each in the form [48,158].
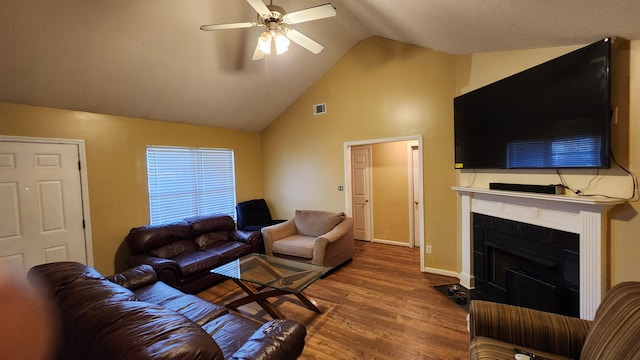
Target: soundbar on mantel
[555,189]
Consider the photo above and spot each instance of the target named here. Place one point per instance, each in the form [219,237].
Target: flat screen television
[554,115]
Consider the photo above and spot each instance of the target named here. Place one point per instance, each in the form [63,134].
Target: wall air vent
[319,109]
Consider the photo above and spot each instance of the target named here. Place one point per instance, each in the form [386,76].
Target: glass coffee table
[263,277]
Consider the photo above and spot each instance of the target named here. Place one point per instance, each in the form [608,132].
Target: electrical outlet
[340,188]
[428,249]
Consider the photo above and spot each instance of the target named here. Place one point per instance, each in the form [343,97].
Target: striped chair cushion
[483,348]
[615,332]
[527,328]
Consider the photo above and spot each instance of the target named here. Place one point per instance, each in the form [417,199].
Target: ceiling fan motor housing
[277,14]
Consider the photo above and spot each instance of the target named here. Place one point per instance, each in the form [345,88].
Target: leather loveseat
[183,252]
[132,315]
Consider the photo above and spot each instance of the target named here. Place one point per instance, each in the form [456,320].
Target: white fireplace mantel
[585,216]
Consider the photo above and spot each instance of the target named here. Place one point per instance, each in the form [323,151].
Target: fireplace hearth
[526,265]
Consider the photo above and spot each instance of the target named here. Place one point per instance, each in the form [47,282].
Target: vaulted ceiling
[149,59]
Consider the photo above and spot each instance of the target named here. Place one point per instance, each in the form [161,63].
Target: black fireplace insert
[526,265]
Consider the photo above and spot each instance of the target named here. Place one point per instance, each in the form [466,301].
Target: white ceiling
[148,58]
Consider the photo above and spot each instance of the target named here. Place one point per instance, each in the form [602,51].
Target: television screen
[554,115]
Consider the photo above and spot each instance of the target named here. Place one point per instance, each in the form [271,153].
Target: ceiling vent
[319,109]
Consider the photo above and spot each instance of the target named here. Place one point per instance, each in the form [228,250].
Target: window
[186,182]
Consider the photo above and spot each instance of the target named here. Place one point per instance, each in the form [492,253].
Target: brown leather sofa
[132,315]
[183,252]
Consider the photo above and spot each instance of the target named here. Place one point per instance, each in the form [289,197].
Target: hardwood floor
[379,306]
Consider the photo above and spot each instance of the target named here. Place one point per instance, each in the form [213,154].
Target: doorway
[391,191]
[46,214]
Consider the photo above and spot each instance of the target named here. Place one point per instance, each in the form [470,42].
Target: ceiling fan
[277,34]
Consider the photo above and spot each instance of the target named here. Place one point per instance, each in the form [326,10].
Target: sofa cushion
[143,239]
[174,249]
[209,238]
[61,273]
[295,245]
[196,262]
[228,250]
[141,330]
[196,309]
[211,223]
[93,290]
[315,223]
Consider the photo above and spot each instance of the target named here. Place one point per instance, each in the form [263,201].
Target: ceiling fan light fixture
[264,42]
[282,43]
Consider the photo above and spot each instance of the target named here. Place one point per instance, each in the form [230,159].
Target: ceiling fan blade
[258,54]
[303,40]
[314,13]
[228,26]
[260,7]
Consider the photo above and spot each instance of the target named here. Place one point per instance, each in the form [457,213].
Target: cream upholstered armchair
[318,237]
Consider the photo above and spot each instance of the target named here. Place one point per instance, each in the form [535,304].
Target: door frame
[347,175]
[84,184]
[411,145]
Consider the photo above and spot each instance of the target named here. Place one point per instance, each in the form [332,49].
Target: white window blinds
[185,182]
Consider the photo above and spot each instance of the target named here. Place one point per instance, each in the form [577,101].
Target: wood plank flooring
[379,306]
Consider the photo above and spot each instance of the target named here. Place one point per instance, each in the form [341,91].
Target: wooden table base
[261,295]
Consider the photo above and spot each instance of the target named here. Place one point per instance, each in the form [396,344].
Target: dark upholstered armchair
[253,215]
[498,330]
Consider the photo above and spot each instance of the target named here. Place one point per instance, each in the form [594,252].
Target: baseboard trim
[441,272]
[390,242]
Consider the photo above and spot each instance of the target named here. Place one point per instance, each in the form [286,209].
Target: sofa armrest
[273,233]
[549,332]
[336,246]
[277,339]
[167,270]
[136,277]
[339,230]
[252,238]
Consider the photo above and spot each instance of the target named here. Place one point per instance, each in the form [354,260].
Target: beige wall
[116,164]
[474,71]
[380,89]
[390,191]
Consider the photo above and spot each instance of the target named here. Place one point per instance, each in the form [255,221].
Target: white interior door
[41,215]
[360,191]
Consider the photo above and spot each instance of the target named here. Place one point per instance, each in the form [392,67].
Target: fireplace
[585,217]
[526,265]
